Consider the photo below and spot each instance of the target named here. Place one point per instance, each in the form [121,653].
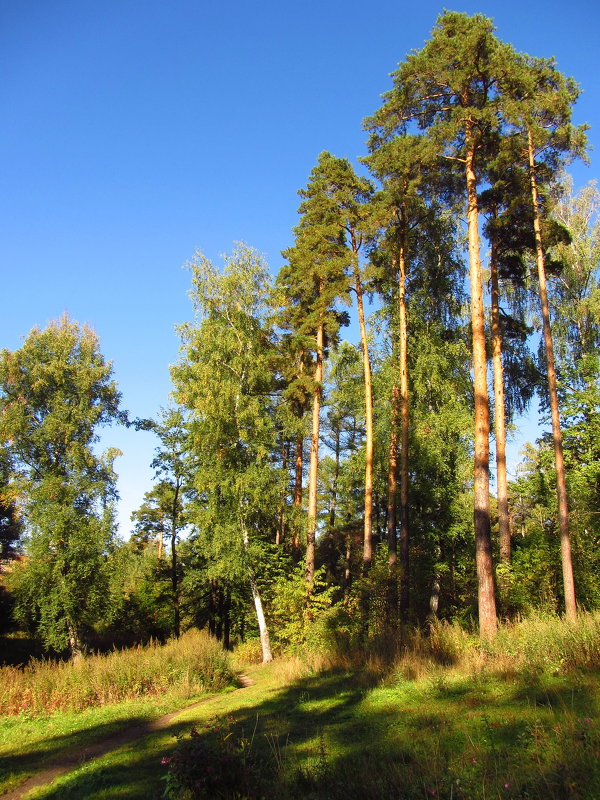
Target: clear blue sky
[134,131]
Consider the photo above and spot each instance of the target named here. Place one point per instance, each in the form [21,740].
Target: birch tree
[225,378]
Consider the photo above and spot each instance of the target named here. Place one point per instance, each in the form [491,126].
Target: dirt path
[82,755]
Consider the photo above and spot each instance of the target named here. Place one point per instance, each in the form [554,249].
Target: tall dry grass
[193,664]
[536,644]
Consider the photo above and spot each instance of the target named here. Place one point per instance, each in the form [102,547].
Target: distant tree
[55,391]
[171,465]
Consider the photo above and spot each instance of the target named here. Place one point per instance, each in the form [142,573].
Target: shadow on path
[74,758]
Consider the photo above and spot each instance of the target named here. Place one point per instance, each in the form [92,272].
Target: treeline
[338,489]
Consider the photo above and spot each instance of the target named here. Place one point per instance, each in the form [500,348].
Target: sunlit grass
[449,718]
[189,666]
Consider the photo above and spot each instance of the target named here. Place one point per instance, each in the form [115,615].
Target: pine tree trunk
[403,353]
[481,513]
[392,481]
[160,538]
[392,490]
[500,415]
[314,460]
[561,484]
[368,521]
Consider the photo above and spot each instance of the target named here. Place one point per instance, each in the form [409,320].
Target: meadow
[443,717]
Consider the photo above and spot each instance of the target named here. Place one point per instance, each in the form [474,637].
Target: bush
[217,765]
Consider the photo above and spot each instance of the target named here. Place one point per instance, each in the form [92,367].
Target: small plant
[217,765]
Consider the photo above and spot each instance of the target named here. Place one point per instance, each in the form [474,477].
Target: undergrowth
[428,714]
[193,664]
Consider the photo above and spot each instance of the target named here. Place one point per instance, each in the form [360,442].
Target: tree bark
[265,641]
[481,511]
[561,484]
[75,646]
[500,414]
[392,481]
[368,521]
[403,354]
[314,460]
[297,497]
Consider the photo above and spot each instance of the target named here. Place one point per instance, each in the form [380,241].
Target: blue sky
[135,132]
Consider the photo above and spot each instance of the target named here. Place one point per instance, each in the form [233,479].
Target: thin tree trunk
[279,534]
[219,627]
[265,641]
[297,497]
[336,475]
[403,354]
[174,578]
[434,597]
[160,538]
[561,484]
[481,511]
[368,521]
[212,609]
[500,415]
[392,490]
[227,621]
[392,481]
[314,460]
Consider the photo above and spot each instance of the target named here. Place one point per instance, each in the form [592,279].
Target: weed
[218,764]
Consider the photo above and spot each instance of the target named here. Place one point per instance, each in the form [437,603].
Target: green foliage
[139,600]
[54,393]
[225,379]
[218,763]
[295,619]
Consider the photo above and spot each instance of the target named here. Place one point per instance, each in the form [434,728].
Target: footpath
[76,758]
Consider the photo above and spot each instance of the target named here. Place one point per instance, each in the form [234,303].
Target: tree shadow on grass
[327,738]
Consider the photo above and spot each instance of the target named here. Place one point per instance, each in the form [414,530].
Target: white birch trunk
[265,641]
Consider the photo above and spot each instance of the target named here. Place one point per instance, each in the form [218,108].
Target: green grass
[329,736]
[485,724]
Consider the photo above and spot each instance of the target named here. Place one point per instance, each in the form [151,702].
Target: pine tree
[540,112]
[451,90]
[311,284]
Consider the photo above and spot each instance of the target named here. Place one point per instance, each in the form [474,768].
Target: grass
[468,723]
[189,666]
[53,708]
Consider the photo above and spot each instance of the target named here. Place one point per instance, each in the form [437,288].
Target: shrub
[216,765]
